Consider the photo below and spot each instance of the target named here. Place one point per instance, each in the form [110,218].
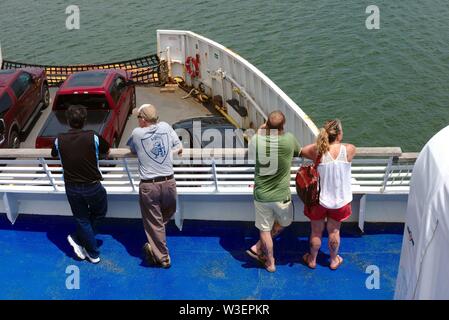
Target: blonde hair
[328,134]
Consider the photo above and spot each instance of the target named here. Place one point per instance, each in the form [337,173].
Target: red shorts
[318,212]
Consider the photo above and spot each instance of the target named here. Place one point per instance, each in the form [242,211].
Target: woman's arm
[309,152]
[350,151]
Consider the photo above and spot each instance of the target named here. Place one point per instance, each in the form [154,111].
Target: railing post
[48,173]
[214,174]
[168,55]
[179,219]
[387,174]
[130,178]
[362,212]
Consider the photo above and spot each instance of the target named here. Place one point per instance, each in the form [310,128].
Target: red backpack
[308,183]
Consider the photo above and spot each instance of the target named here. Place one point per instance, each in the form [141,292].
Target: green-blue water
[390,86]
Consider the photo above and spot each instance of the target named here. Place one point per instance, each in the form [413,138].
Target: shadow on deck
[208,262]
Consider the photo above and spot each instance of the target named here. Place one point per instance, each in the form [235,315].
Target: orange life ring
[192,67]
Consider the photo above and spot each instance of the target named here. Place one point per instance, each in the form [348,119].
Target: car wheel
[14,140]
[133,102]
[115,143]
[45,96]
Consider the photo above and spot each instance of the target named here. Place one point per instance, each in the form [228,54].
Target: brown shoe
[148,253]
[166,263]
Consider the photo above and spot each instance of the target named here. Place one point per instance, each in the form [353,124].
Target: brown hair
[76,116]
[328,134]
[276,121]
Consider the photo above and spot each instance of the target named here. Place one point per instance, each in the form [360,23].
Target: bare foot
[308,261]
[270,267]
[336,263]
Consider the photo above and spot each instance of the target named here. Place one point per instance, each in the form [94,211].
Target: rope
[189,94]
[144,70]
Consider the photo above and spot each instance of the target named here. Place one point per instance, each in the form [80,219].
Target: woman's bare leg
[333,229]
[317,228]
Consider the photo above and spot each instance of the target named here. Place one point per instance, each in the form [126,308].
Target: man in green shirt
[273,150]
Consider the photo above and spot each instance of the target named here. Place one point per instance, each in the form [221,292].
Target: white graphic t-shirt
[153,146]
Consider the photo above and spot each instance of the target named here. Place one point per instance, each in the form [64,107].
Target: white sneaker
[93,260]
[79,250]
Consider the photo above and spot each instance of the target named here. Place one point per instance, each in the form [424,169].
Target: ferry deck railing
[201,174]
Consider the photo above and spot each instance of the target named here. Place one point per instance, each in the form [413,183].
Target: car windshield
[90,101]
[86,79]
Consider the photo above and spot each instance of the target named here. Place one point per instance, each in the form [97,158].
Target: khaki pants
[157,205]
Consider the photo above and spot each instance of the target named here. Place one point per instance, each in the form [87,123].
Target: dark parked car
[209,132]
[108,95]
[23,94]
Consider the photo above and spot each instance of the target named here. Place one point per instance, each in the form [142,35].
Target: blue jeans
[89,205]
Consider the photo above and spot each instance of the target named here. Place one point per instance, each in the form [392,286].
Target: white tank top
[335,180]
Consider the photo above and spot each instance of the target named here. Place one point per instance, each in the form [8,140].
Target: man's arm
[131,145]
[54,149]
[297,148]
[176,143]
[103,145]
[252,144]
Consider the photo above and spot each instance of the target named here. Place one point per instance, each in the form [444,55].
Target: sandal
[254,255]
[340,261]
[305,259]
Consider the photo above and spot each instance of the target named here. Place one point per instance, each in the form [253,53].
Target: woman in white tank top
[335,190]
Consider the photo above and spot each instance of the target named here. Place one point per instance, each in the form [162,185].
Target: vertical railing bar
[214,174]
[131,180]
[402,178]
[387,174]
[48,173]
[393,175]
[409,174]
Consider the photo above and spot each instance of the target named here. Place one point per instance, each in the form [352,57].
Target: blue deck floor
[208,262]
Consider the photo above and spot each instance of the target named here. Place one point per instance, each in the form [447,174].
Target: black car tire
[45,96]
[14,140]
[115,143]
[133,102]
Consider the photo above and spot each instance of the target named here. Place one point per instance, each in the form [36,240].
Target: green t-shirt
[273,155]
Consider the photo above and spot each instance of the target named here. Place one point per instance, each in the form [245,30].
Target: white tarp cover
[424,265]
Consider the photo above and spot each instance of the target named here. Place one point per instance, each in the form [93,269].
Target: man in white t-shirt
[154,143]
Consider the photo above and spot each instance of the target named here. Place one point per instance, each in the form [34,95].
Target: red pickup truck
[23,94]
[108,95]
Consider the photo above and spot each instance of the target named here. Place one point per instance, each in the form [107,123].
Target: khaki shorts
[269,212]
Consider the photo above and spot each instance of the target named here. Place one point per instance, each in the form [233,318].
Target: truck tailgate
[57,122]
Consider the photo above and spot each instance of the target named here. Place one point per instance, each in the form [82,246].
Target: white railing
[212,184]
[374,170]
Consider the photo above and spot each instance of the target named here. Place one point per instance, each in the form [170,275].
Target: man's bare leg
[267,247]
[275,231]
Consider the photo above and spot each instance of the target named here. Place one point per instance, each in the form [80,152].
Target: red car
[108,95]
[23,94]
